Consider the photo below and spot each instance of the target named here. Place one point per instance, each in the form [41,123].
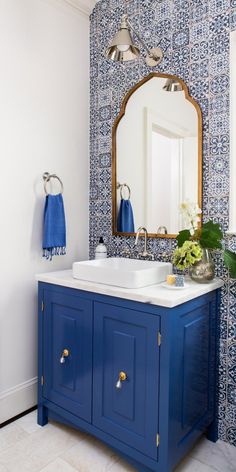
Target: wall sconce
[124,49]
[172,85]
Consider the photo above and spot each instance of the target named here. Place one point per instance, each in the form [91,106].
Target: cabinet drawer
[126,341]
[68,378]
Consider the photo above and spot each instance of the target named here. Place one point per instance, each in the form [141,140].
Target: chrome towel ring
[47,177]
[122,187]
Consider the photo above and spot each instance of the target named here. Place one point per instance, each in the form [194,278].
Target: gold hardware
[42,380]
[159,338]
[42,306]
[158,440]
[64,355]
[122,378]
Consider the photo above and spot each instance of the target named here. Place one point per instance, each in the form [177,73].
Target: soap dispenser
[101,250]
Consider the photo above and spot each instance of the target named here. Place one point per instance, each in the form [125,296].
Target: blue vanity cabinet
[67,352]
[125,341]
[140,377]
[190,383]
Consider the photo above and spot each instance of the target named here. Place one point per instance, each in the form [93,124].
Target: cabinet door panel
[126,341]
[68,325]
[123,356]
[192,358]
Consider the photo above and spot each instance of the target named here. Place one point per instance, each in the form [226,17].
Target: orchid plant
[192,240]
[191,215]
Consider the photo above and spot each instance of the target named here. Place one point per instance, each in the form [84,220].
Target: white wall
[43,127]
[160,185]
[190,169]
[164,200]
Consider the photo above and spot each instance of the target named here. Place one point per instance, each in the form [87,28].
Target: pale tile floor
[26,447]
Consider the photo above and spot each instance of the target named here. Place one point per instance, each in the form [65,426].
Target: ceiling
[85,6]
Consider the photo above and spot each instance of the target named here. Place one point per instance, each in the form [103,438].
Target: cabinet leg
[212,432]
[42,416]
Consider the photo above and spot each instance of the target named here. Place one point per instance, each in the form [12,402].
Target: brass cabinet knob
[122,378]
[64,355]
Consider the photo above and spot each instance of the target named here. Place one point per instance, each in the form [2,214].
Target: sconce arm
[140,39]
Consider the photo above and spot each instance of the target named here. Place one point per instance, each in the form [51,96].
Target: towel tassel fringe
[54,251]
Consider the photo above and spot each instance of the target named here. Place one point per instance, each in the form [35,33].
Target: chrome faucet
[145,253]
[162,230]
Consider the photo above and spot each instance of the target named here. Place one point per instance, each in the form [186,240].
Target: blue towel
[54,230]
[125,220]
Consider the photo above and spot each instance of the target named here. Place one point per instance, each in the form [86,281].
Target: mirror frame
[114,150]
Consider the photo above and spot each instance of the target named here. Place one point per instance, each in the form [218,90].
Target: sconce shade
[122,47]
[172,85]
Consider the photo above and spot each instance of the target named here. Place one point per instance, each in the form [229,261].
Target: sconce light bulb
[123,47]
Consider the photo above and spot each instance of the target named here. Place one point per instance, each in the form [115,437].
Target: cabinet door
[194,361]
[126,341]
[68,326]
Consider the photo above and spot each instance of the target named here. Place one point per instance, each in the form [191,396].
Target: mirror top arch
[115,130]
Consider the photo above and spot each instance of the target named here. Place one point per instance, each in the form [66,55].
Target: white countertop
[153,294]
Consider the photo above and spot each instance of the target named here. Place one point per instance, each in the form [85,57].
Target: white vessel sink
[122,272]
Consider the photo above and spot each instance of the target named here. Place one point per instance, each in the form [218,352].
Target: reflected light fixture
[172,85]
[124,49]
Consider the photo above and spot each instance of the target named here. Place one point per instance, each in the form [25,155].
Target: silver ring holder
[47,177]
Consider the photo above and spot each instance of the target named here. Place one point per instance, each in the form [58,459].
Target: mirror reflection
[157,157]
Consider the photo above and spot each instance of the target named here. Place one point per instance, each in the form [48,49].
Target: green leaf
[230,262]
[210,242]
[213,227]
[183,236]
[211,235]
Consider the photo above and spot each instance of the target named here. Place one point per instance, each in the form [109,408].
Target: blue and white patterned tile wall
[194,35]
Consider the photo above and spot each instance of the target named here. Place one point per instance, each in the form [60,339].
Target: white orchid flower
[191,215]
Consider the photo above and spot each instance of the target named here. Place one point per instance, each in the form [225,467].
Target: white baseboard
[18,399]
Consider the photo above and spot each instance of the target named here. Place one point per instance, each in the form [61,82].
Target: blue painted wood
[170,391]
[212,431]
[126,340]
[190,376]
[42,410]
[68,325]
[193,394]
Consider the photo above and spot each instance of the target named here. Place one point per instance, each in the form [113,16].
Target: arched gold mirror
[156,157]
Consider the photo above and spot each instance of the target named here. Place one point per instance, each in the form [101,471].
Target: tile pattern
[195,38]
[56,448]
